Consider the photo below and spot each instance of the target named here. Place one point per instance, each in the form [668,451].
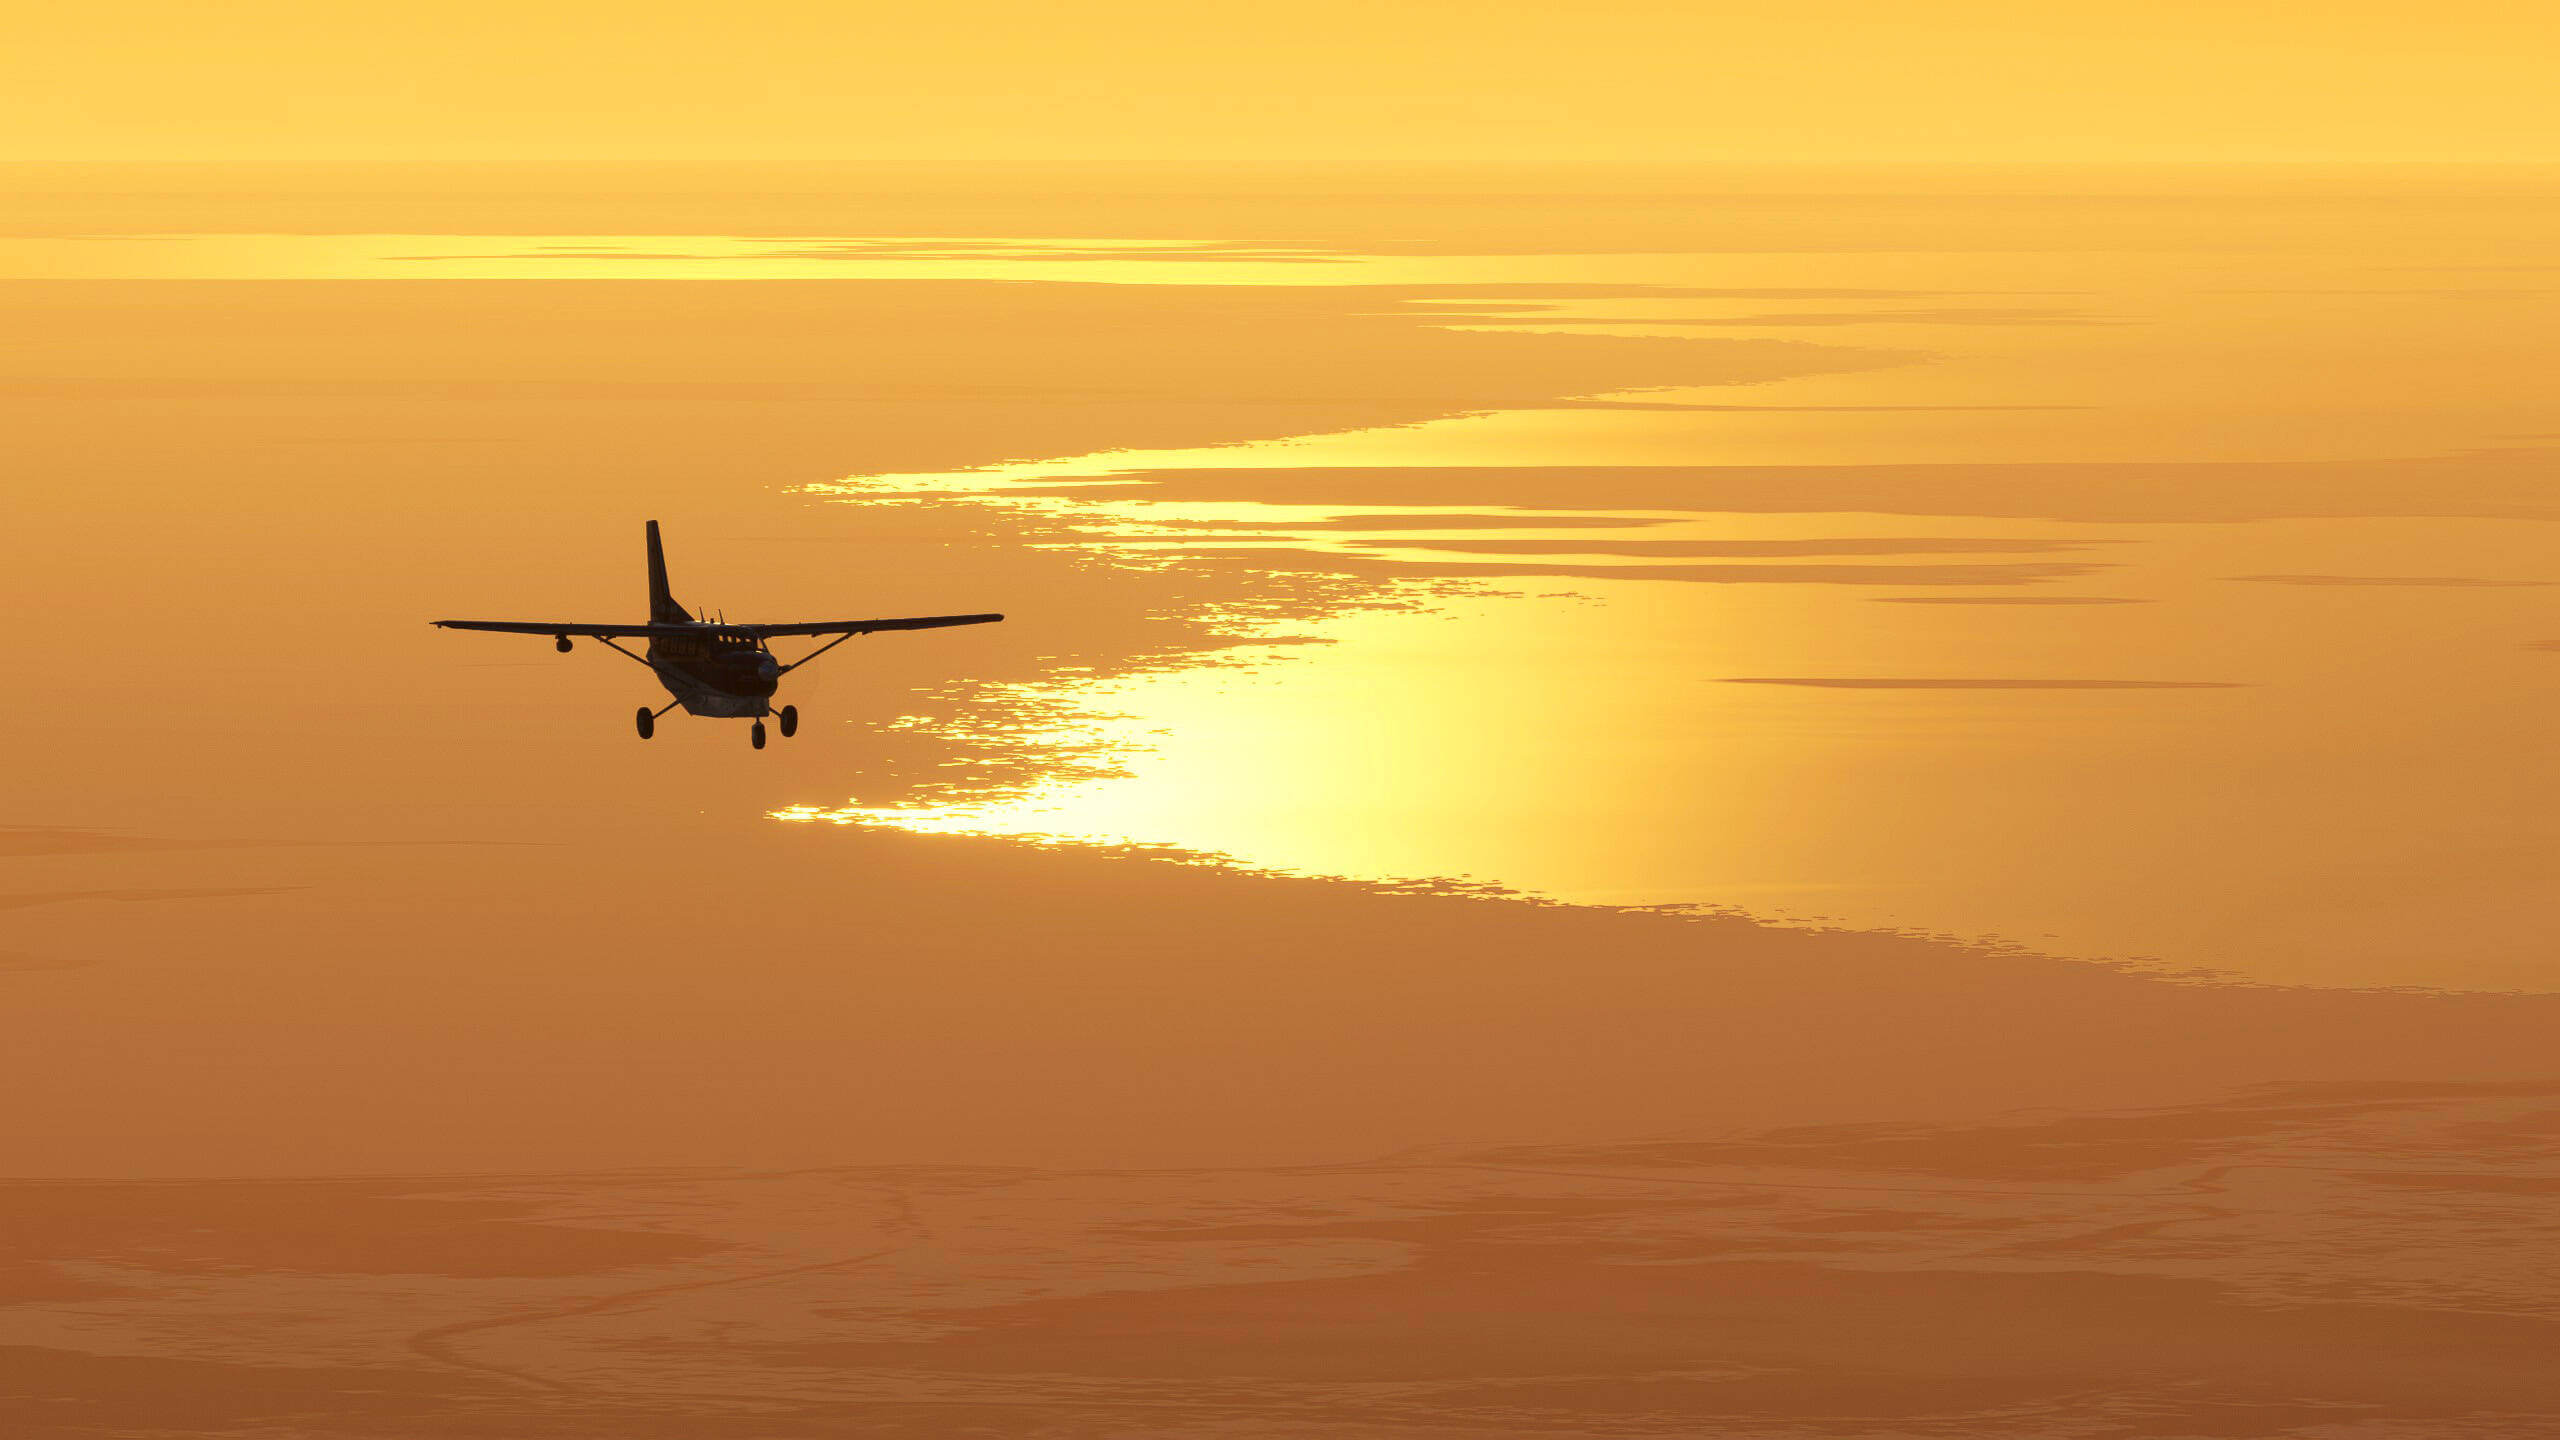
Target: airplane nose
[768,667]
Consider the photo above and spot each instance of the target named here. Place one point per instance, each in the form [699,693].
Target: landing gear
[755,737]
[790,721]
[561,644]
[648,722]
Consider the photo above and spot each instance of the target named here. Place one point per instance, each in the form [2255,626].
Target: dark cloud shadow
[2010,600]
[1948,316]
[1879,683]
[1390,567]
[1476,521]
[2497,484]
[2429,582]
[1855,545]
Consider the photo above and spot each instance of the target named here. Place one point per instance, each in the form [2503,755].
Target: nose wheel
[790,718]
[755,736]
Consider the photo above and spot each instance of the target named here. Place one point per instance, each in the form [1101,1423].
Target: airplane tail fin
[663,608]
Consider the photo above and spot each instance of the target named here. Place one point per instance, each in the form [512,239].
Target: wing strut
[608,640]
[821,650]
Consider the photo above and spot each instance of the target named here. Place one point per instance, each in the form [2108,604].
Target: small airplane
[711,666]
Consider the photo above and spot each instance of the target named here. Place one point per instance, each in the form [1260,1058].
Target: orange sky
[1319,82]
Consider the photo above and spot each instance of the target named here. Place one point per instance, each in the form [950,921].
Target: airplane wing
[560,627]
[761,632]
[863,627]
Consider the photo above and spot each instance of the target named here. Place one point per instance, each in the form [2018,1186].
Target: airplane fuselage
[716,672]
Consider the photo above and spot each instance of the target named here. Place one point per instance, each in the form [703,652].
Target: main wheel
[648,723]
[790,721]
[755,737]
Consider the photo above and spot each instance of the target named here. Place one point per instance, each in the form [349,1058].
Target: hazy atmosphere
[1814,722]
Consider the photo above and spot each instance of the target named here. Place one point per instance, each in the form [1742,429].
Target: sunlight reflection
[2070,714]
